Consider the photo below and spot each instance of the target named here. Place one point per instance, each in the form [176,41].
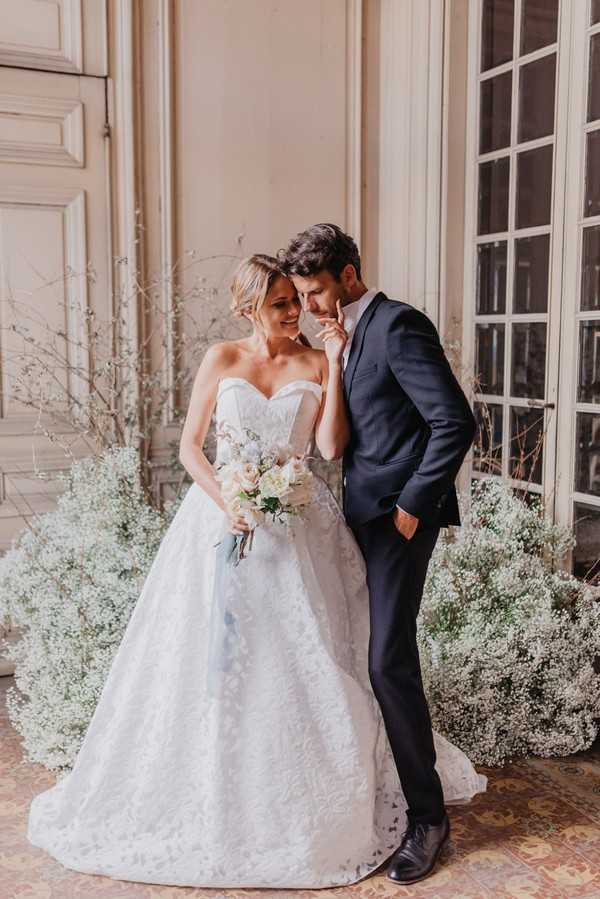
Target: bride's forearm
[201,471]
[333,430]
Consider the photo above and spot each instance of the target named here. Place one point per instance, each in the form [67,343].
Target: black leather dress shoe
[418,852]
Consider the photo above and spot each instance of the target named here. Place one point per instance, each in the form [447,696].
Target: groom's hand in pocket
[405,523]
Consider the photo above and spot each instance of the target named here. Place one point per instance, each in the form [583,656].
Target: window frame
[556,230]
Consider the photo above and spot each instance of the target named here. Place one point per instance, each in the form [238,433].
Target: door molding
[72,202]
[124,193]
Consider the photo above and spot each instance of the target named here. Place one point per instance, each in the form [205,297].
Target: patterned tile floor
[534,835]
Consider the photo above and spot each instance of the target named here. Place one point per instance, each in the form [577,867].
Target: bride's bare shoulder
[223,353]
[218,358]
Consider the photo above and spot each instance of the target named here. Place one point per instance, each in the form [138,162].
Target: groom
[411,427]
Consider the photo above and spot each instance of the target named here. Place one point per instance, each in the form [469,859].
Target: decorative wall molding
[354,79]
[62,50]
[72,204]
[66,115]
[124,162]
[22,501]
[431,270]
[167,163]
[124,137]
[165,484]
[454,118]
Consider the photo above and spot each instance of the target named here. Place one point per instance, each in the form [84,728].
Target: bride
[267,765]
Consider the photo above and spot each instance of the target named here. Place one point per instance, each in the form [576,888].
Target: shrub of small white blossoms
[70,585]
[509,647]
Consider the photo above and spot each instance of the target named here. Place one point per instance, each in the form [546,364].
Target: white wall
[403,148]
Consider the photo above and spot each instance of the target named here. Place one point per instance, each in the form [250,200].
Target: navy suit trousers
[396,571]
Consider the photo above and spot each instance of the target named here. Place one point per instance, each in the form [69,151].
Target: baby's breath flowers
[69,584]
[509,643]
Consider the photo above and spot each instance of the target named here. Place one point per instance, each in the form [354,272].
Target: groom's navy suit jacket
[411,423]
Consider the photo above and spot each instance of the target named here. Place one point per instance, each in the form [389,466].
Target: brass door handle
[540,404]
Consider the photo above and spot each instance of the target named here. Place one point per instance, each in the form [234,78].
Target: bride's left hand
[334,335]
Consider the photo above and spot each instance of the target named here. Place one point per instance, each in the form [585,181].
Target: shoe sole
[429,870]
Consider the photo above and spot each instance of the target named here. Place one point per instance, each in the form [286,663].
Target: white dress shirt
[352,314]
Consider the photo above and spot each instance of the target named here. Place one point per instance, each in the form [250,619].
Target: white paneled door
[54,220]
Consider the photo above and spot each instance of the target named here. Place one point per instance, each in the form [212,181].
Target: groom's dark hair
[320,247]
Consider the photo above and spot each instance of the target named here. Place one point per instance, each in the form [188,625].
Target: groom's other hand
[405,523]
[334,335]
[329,321]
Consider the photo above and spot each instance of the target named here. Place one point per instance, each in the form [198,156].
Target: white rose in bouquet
[300,479]
[274,483]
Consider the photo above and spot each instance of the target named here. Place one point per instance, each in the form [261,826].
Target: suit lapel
[357,342]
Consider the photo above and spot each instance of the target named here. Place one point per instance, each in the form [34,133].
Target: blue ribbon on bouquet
[222,628]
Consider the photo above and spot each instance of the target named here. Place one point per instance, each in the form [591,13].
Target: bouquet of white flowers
[259,480]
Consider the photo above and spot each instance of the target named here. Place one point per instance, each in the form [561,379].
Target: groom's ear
[348,276]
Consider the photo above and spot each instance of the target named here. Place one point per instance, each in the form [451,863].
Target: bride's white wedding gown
[281,775]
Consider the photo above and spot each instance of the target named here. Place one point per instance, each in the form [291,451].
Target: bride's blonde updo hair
[251,283]
[253,279]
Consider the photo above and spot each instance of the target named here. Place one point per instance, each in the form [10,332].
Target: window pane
[531,498]
[526,444]
[496,32]
[495,113]
[493,196]
[536,98]
[590,269]
[595,11]
[587,459]
[531,274]
[487,450]
[491,278]
[592,174]
[587,535]
[594,79]
[528,359]
[539,23]
[534,187]
[588,390]
[489,356]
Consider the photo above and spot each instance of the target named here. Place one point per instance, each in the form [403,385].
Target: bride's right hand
[237,524]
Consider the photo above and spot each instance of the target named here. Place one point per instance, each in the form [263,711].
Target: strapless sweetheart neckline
[313,384]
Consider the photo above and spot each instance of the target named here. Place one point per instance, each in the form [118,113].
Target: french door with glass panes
[578,445]
[530,222]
